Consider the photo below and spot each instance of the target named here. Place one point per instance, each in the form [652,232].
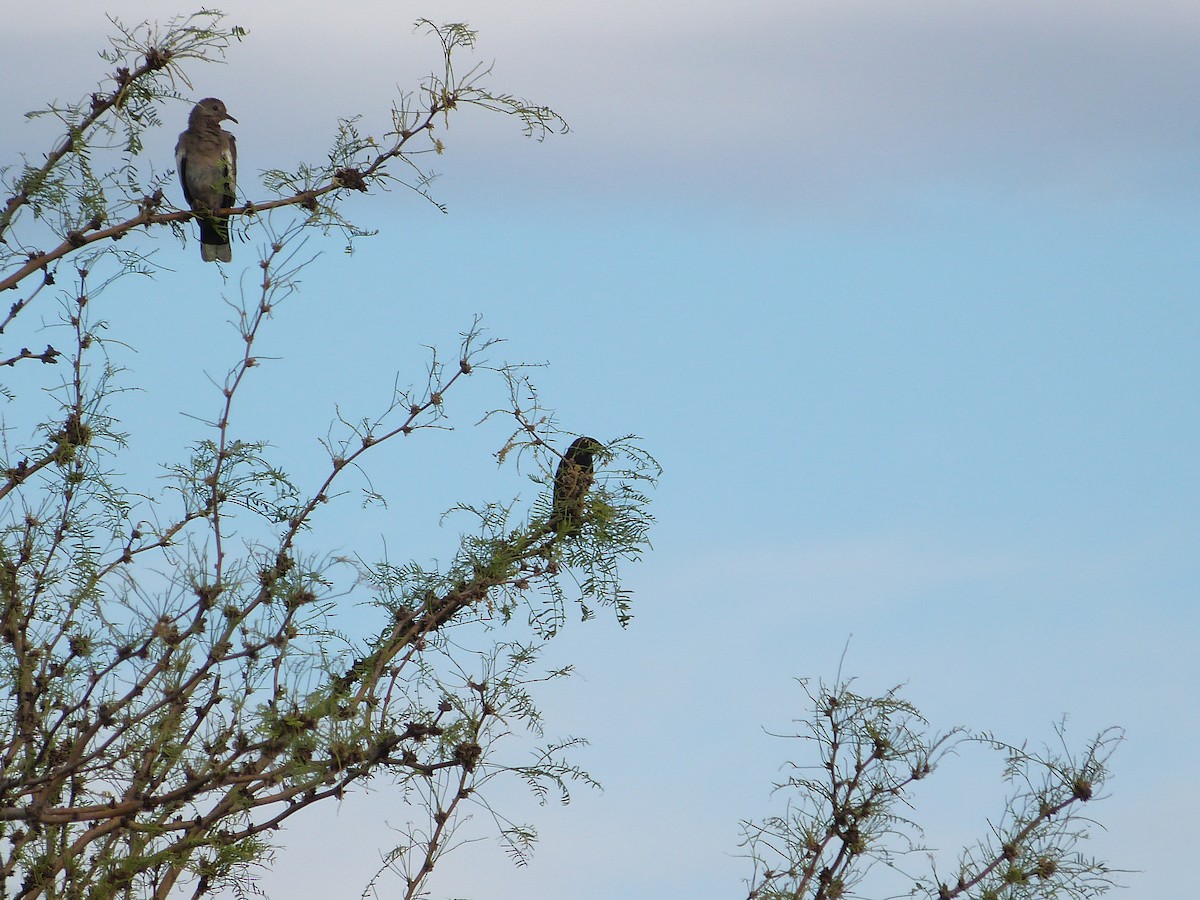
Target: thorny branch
[852,812]
[177,690]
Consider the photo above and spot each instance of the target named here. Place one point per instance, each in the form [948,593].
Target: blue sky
[903,296]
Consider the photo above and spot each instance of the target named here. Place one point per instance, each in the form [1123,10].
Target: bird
[575,475]
[206,156]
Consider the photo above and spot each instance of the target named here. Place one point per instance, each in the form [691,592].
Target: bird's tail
[214,240]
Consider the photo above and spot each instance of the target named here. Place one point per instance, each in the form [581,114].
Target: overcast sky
[903,296]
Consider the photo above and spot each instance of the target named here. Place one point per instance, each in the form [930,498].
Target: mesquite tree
[175,683]
[849,826]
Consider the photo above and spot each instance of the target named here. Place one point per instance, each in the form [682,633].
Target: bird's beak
[231,118]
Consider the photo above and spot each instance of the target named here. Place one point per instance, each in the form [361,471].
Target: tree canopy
[177,678]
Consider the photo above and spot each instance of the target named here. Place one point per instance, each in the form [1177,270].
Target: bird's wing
[181,167]
[230,159]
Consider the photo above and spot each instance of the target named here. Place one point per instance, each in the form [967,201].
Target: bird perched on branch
[206,157]
[575,475]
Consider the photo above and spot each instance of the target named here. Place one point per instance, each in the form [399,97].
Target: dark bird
[206,157]
[575,475]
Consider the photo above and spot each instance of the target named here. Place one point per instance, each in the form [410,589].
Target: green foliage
[179,678]
[848,808]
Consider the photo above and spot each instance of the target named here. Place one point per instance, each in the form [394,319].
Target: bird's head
[210,110]
[582,450]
